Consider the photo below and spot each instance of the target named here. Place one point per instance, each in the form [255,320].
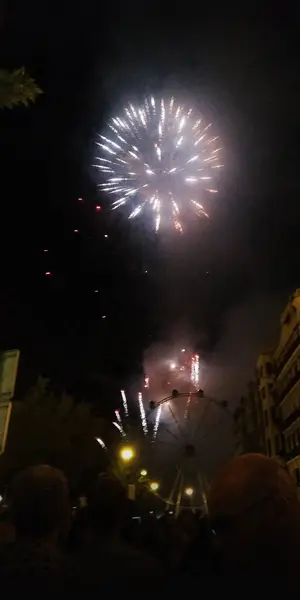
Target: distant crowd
[248,543]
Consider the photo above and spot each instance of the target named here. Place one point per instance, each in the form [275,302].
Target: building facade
[267,419]
[248,430]
[287,365]
[266,387]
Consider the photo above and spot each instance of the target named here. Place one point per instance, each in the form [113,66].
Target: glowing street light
[127,453]
[143,473]
[154,486]
[172,366]
[189,491]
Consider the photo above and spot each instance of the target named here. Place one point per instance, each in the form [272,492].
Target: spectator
[109,557]
[40,513]
[255,513]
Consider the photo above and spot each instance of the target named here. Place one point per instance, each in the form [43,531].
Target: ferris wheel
[174,447]
[182,447]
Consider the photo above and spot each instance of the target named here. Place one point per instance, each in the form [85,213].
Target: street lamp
[127,454]
[189,491]
[143,473]
[154,486]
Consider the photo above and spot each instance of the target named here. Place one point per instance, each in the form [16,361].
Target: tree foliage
[17,87]
[49,428]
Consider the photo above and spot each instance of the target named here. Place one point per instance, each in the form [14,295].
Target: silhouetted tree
[49,428]
[17,87]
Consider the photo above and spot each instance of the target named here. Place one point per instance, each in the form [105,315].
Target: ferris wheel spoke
[163,426]
[208,429]
[170,443]
[200,423]
[176,421]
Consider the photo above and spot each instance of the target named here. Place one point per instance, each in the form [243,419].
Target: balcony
[290,347]
[290,454]
[289,386]
[291,419]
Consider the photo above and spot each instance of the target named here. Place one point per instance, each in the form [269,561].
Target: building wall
[266,381]
[248,433]
[287,360]
[267,419]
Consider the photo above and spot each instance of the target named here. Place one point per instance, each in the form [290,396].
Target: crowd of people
[249,542]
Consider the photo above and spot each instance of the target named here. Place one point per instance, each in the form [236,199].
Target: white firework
[160,157]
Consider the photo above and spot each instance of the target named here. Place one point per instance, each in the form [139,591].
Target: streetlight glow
[143,472]
[127,453]
[154,486]
[189,491]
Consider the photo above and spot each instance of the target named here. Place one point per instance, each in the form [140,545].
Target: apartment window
[269,447]
[266,418]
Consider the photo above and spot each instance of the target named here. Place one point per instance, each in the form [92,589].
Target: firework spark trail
[195,370]
[186,412]
[125,405]
[118,416]
[192,370]
[120,428]
[142,413]
[101,442]
[159,157]
[157,421]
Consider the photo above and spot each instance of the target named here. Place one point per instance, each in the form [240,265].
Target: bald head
[39,501]
[255,512]
[249,480]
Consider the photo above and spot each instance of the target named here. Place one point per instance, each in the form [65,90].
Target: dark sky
[243,69]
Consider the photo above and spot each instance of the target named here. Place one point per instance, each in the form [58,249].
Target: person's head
[255,512]
[40,502]
[107,502]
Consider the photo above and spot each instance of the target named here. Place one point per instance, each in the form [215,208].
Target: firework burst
[159,158]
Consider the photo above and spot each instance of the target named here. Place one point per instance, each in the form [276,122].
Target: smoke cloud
[250,328]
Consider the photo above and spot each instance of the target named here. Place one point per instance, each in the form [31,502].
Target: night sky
[244,71]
